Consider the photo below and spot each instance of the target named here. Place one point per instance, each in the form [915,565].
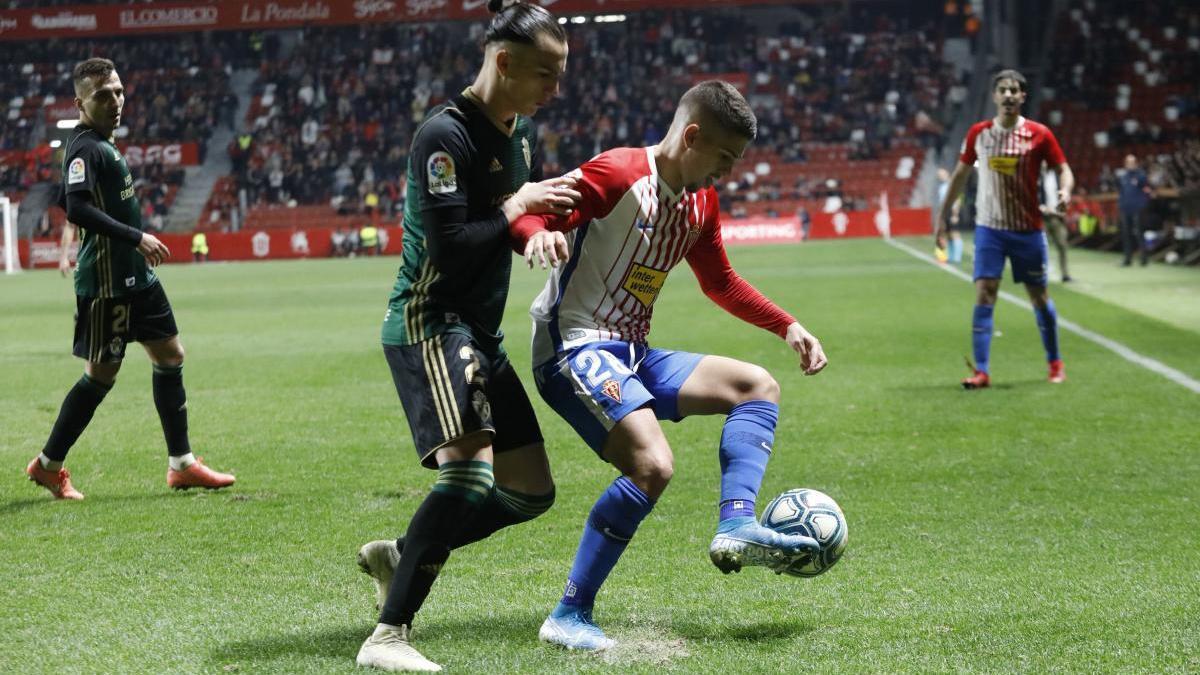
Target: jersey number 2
[591,362]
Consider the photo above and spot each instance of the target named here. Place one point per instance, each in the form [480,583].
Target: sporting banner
[279,243]
[169,154]
[249,244]
[843,224]
[164,17]
[136,154]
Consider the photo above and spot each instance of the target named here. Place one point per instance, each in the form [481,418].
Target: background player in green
[118,297]
[473,167]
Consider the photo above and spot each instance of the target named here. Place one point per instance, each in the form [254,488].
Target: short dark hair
[722,103]
[521,22]
[1010,74]
[94,67]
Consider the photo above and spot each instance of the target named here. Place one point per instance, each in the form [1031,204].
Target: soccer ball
[812,514]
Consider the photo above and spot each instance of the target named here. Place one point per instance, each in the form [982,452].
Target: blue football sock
[746,443]
[1047,321]
[981,335]
[609,527]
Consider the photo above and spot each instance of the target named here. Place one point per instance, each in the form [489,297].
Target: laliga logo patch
[440,173]
[611,389]
[525,151]
[115,346]
[76,173]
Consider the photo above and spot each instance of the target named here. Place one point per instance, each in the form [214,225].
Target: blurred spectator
[1134,196]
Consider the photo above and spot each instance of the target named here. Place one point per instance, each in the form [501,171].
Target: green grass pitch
[1029,527]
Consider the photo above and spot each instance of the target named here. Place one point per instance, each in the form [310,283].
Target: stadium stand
[179,91]
[1120,80]
[840,111]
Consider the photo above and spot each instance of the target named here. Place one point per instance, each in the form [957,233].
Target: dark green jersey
[461,168]
[107,267]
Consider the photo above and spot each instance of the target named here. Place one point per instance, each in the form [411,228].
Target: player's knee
[169,356]
[1038,296]
[654,472]
[758,386]
[104,373]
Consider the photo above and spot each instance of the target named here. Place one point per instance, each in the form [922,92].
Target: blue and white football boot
[572,627]
[743,541]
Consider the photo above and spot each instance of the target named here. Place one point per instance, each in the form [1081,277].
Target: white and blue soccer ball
[813,514]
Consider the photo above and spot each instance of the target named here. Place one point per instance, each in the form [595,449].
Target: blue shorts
[1027,250]
[596,385]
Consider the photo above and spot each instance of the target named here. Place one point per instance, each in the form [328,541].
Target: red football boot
[1057,372]
[198,475]
[57,482]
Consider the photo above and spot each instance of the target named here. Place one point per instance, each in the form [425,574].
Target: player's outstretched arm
[554,197]
[804,343]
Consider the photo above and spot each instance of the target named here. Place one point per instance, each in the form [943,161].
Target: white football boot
[378,560]
[389,649]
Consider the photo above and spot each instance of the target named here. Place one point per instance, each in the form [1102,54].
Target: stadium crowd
[332,117]
[330,126]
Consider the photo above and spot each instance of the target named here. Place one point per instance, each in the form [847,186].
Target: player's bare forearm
[958,181]
[1066,181]
[64,247]
[804,343]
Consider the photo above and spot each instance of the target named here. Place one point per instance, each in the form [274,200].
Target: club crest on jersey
[1004,165]
[76,172]
[611,389]
[496,166]
[644,283]
[440,173]
[525,151]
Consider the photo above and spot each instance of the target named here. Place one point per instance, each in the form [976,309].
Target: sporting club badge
[440,174]
[611,389]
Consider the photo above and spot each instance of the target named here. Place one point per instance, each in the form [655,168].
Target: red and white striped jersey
[625,236]
[1010,162]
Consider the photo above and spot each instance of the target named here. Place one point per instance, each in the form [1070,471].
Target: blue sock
[1047,321]
[609,527]
[981,335]
[746,443]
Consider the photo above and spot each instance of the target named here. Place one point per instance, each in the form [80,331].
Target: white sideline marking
[1119,349]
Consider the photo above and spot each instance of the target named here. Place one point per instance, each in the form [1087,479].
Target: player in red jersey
[1008,151]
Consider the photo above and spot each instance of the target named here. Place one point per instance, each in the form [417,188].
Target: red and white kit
[625,236]
[1010,161]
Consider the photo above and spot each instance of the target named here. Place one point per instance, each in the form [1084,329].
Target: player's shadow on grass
[342,642]
[764,631]
[1006,385]
[46,500]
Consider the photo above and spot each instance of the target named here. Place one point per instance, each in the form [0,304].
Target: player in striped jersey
[1008,152]
[118,297]
[643,211]
[473,169]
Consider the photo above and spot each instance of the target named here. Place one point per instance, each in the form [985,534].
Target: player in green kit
[118,297]
[472,169]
